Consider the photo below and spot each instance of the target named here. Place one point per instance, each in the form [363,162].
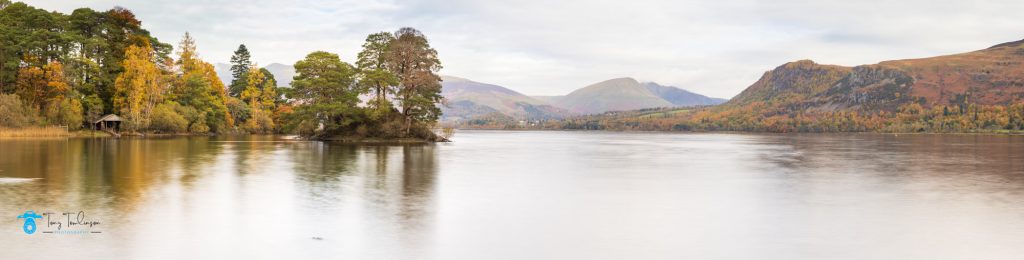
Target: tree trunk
[408,123]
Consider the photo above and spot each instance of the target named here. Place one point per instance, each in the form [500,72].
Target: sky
[544,47]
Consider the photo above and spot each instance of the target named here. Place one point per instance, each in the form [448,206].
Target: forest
[67,70]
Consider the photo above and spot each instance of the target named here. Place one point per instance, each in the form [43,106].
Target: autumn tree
[46,92]
[415,64]
[131,86]
[61,105]
[260,94]
[31,85]
[200,92]
[101,40]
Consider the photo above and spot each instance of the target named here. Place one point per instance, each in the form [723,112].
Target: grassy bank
[48,131]
[34,131]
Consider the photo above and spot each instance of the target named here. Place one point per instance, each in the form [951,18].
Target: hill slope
[469,100]
[611,95]
[622,94]
[681,97]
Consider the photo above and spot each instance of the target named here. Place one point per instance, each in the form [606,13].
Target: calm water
[521,195]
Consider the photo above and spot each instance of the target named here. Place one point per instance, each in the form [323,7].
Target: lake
[519,195]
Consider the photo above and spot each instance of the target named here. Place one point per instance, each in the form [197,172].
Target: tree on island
[373,72]
[399,70]
[325,95]
[415,64]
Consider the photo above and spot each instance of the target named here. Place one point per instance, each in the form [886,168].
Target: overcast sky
[545,47]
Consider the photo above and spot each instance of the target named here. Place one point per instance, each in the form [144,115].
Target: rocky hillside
[993,76]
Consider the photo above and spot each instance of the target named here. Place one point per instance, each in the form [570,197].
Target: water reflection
[155,191]
[524,195]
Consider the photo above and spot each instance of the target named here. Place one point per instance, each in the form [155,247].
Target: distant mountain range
[469,99]
[282,73]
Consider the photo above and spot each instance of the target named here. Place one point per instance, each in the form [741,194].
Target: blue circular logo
[30,223]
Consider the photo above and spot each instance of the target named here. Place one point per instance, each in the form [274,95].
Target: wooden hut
[109,122]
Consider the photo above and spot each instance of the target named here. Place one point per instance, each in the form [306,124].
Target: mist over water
[523,195]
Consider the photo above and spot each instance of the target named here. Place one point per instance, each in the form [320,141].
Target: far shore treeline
[70,69]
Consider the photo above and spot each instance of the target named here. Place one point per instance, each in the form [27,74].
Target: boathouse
[109,122]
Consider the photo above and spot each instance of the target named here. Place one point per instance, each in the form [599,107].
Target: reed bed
[34,131]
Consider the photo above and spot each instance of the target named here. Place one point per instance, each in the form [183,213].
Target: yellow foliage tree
[140,76]
[260,94]
[39,87]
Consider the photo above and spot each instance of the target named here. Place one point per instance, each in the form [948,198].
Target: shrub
[392,129]
[261,123]
[68,112]
[447,132]
[239,110]
[14,113]
[199,128]
[165,119]
[362,130]
[196,119]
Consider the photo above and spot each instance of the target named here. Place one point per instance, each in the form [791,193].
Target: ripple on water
[11,180]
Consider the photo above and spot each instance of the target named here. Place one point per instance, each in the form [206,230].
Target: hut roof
[108,118]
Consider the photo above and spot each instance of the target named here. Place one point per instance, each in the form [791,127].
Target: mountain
[223,72]
[992,76]
[978,91]
[611,95]
[627,94]
[468,99]
[282,73]
[681,97]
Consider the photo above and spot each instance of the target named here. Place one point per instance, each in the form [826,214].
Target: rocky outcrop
[871,85]
[800,78]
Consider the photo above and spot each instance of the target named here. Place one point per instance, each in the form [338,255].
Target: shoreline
[752,132]
[51,132]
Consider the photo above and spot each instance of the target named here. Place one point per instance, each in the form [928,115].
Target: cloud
[550,48]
